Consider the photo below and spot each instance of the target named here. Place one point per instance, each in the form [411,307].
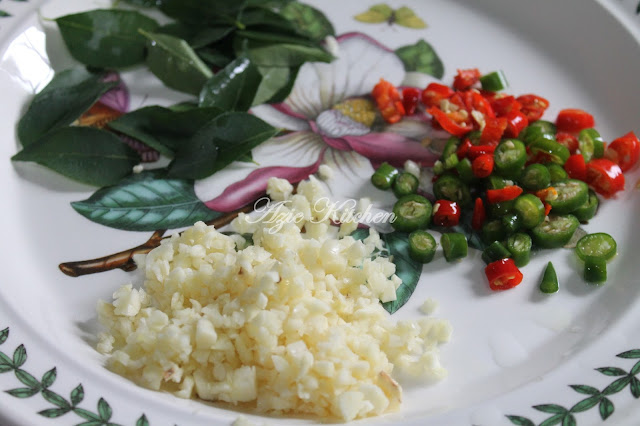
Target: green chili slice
[549,283]
[511,223]
[595,271]
[493,231]
[450,187]
[501,209]
[519,245]
[451,147]
[552,150]
[572,194]
[405,184]
[590,144]
[535,177]
[384,176]
[556,172]
[539,129]
[597,246]
[465,171]
[451,161]
[494,81]
[454,245]
[509,157]
[411,212]
[530,210]
[588,210]
[554,232]
[495,251]
[422,246]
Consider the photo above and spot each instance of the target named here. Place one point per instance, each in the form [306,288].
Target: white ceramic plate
[511,351]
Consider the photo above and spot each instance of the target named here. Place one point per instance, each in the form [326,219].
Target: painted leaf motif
[611,371]
[175,63]
[19,356]
[309,20]
[4,334]
[23,392]
[87,415]
[376,14]
[61,102]
[520,421]
[53,413]
[4,368]
[55,399]
[554,420]
[606,408]
[635,369]
[232,88]
[142,421]
[569,420]
[106,38]
[584,389]
[635,353]
[5,360]
[88,155]
[104,409]
[617,386]
[4,14]
[550,408]
[638,9]
[77,395]
[586,404]
[635,387]
[27,379]
[421,57]
[145,202]
[407,18]
[49,377]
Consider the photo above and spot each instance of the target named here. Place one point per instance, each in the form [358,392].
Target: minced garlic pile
[290,324]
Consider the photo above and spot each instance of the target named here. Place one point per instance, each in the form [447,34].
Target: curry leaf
[220,142]
[174,62]
[88,155]
[267,54]
[63,100]
[274,79]
[106,38]
[265,18]
[200,12]
[309,20]
[145,202]
[233,88]
[421,57]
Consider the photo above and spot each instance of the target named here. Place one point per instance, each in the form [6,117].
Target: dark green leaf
[163,129]
[104,410]
[200,12]
[142,3]
[308,20]
[145,202]
[611,371]
[19,356]
[107,38]
[23,392]
[520,421]
[4,334]
[273,80]
[635,387]
[569,420]
[5,360]
[553,420]
[550,408]
[274,37]
[274,5]
[265,54]
[61,102]
[55,399]
[89,155]
[92,423]
[77,395]
[638,9]
[635,369]
[606,408]
[49,377]
[586,404]
[421,57]
[4,368]
[219,143]
[635,353]
[142,421]
[87,415]
[584,389]
[267,20]
[197,37]
[233,88]
[214,58]
[27,379]
[407,269]
[52,413]
[617,386]
[174,62]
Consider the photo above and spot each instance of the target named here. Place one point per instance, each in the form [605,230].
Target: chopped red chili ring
[388,101]
[502,106]
[493,130]
[533,106]
[516,122]
[547,194]
[547,208]
[410,99]
[452,125]
[605,176]
[573,120]
[474,101]
[463,149]
[576,167]
[569,141]
[434,93]
[446,213]
[476,151]
[482,166]
[479,215]
[624,151]
[465,79]
[507,193]
[503,274]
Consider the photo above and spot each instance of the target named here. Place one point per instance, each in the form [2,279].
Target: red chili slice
[482,166]
[573,120]
[493,130]
[503,274]
[454,124]
[466,78]
[568,140]
[505,194]
[476,151]
[479,214]
[463,149]
[388,101]
[434,93]
[605,176]
[516,122]
[446,213]
[410,99]
[533,106]
[624,151]
[575,167]
[502,106]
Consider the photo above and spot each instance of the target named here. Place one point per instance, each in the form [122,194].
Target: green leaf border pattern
[592,396]
[5,14]
[31,386]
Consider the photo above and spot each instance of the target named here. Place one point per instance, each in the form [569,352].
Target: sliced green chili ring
[595,271]
[588,210]
[509,157]
[493,231]
[465,171]
[496,182]
[450,187]
[412,212]
[535,177]
[422,246]
[540,129]
[495,251]
[451,161]
[530,210]
[549,283]
[555,152]
[556,172]
[519,245]
[405,184]
[511,223]
[454,245]
[384,176]
[451,147]
[494,81]
[501,209]
[597,246]
[555,232]
[438,167]
[572,194]
[590,144]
